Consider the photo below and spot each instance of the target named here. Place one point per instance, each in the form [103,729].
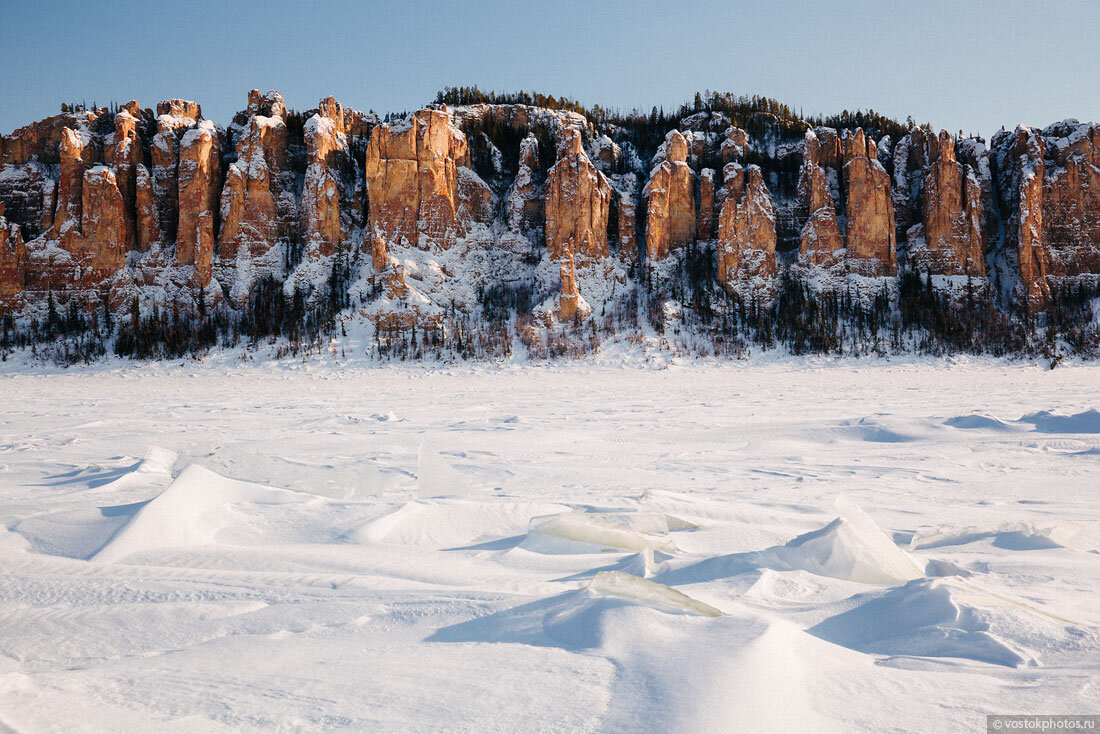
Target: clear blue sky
[957,64]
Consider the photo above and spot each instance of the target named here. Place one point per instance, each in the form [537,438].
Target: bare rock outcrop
[104,237]
[412,180]
[871,238]
[379,253]
[199,192]
[266,104]
[147,224]
[28,158]
[845,168]
[41,140]
[734,145]
[174,118]
[180,108]
[90,237]
[251,220]
[69,186]
[1022,170]
[570,303]
[577,203]
[13,261]
[525,209]
[821,242]
[746,231]
[123,153]
[329,176]
[1071,206]
[949,239]
[708,224]
[670,196]
[1050,182]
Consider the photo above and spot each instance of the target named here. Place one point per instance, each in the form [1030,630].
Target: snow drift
[190,512]
[939,618]
[851,547]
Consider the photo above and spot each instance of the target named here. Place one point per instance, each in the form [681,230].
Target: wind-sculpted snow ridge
[938,618]
[311,548]
[1020,535]
[507,231]
[851,547]
[191,512]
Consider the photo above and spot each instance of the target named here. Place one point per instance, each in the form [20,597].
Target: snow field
[831,546]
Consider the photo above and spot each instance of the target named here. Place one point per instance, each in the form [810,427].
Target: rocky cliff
[1048,183]
[746,231]
[421,217]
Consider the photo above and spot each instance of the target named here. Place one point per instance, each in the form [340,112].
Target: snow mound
[627,586]
[851,547]
[874,431]
[1046,422]
[1011,535]
[576,620]
[190,512]
[633,531]
[942,618]
[75,533]
[584,619]
[977,421]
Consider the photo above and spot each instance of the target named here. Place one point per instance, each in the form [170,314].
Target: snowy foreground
[827,547]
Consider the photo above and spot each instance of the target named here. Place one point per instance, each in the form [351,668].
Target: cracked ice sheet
[311,605]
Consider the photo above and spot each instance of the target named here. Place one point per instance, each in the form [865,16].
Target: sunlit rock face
[578,199]
[252,221]
[329,168]
[28,156]
[1049,184]
[821,242]
[746,231]
[104,241]
[952,215]
[844,194]
[942,202]
[569,302]
[670,201]
[123,152]
[175,117]
[147,225]
[871,244]
[70,184]
[199,194]
[412,180]
[13,261]
[163,203]
[1071,189]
